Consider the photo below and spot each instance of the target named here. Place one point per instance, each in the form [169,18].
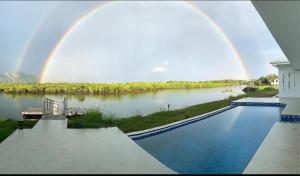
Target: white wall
[289,81]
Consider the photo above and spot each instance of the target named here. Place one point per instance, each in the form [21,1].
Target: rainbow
[91,13]
[222,33]
[30,40]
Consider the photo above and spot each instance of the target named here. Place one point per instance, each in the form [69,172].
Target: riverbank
[110,88]
[138,123]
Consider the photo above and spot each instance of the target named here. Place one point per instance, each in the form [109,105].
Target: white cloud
[165,62]
[159,69]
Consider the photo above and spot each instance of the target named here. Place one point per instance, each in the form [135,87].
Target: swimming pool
[223,143]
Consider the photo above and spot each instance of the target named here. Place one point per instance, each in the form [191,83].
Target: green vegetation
[138,123]
[266,90]
[111,88]
[92,119]
[265,80]
[8,126]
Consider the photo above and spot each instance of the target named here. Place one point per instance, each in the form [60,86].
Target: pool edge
[161,129]
[164,128]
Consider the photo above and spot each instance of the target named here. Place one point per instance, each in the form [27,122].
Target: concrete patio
[51,148]
[279,152]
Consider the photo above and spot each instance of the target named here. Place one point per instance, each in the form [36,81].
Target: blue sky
[135,41]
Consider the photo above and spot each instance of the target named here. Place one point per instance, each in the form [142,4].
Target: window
[283,86]
[289,80]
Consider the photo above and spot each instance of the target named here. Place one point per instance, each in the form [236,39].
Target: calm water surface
[11,106]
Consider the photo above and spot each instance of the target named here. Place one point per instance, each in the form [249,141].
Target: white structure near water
[289,78]
[282,19]
[279,152]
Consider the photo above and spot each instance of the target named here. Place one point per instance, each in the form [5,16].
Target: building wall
[289,81]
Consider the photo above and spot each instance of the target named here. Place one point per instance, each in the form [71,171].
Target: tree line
[111,88]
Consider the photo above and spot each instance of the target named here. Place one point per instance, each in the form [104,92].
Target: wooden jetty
[49,107]
[33,113]
[75,111]
[51,110]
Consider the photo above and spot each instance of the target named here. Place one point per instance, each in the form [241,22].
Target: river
[12,105]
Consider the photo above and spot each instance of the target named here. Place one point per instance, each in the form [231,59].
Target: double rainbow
[107,4]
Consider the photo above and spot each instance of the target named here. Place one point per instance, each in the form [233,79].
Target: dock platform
[33,113]
[53,117]
[76,111]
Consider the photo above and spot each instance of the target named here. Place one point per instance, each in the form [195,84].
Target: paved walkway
[279,153]
[51,148]
[293,106]
[53,117]
[259,100]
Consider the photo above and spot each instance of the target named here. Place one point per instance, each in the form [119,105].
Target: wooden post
[65,102]
[44,110]
[21,124]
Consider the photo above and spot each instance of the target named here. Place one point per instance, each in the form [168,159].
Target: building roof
[282,19]
[280,61]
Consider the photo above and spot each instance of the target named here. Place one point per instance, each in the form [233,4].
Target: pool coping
[271,104]
[284,117]
[164,128]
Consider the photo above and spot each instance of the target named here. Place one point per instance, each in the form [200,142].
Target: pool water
[223,143]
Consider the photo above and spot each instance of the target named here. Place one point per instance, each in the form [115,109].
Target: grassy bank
[8,126]
[266,89]
[93,119]
[138,123]
[110,88]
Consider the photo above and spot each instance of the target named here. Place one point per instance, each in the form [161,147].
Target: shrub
[250,89]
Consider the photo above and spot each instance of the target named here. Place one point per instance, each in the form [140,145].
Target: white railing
[50,106]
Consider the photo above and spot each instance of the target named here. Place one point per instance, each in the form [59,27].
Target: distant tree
[257,82]
[265,80]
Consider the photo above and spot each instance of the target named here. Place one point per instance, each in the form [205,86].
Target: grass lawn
[8,126]
[138,123]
